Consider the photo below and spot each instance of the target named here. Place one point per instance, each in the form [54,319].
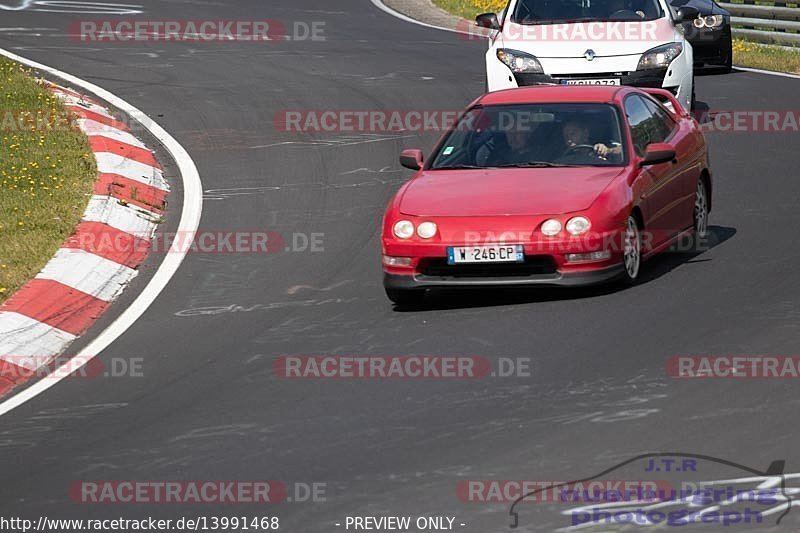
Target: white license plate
[501,253]
[609,81]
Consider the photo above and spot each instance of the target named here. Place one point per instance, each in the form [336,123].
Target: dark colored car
[709,33]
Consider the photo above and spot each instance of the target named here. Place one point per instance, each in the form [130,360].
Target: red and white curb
[40,320]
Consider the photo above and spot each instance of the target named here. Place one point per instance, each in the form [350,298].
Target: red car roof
[542,94]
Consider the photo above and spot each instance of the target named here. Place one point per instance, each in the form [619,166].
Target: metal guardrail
[776,24]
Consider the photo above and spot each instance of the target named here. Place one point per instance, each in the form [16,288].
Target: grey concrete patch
[425,11]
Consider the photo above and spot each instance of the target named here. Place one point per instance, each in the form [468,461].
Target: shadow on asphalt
[654,268]
[715,71]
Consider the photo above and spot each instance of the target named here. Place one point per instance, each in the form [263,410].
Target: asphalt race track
[209,406]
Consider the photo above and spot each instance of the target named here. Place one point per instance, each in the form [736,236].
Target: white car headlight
[578,225]
[404,229]
[519,62]
[426,230]
[660,56]
[551,227]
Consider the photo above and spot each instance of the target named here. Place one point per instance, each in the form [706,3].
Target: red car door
[664,192]
[681,135]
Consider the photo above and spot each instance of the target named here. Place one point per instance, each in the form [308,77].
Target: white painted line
[383,7]
[87,272]
[24,5]
[769,72]
[190,220]
[22,336]
[130,219]
[117,164]
[92,127]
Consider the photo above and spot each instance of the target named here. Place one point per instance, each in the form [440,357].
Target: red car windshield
[534,135]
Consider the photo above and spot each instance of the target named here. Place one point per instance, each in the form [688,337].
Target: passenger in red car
[517,145]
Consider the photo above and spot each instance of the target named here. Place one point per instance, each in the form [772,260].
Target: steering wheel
[581,149]
[580,153]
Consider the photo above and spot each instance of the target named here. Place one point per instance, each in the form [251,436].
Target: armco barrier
[777,24]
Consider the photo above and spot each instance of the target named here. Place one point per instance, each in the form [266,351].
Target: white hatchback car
[598,42]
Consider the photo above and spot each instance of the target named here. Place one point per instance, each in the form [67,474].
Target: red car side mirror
[656,153]
[411,159]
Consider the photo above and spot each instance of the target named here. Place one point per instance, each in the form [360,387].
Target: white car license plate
[609,81]
[500,253]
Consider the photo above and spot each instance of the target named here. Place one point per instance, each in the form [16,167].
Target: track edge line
[189,222]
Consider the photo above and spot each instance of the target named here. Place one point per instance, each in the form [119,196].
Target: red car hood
[516,191]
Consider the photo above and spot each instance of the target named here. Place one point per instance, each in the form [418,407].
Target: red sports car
[548,186]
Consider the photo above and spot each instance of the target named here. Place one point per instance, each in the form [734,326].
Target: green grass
[767,57]
[469,9]
[46,174]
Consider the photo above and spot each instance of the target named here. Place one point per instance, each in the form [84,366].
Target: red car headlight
[551,227]
[426,230]
[578,226]
[403,229]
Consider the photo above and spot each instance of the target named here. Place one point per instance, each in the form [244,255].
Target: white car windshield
[559,11]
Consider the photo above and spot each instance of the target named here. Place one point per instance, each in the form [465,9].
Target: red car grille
[533,266]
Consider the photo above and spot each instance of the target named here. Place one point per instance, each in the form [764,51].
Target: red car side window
[641,123]
[668,125]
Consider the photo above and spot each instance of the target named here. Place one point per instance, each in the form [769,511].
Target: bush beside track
[46,175]
[470,8]
[763,56]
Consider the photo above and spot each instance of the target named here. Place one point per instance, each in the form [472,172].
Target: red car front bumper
[546,263]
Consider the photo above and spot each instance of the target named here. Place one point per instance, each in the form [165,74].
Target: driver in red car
[576,136]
